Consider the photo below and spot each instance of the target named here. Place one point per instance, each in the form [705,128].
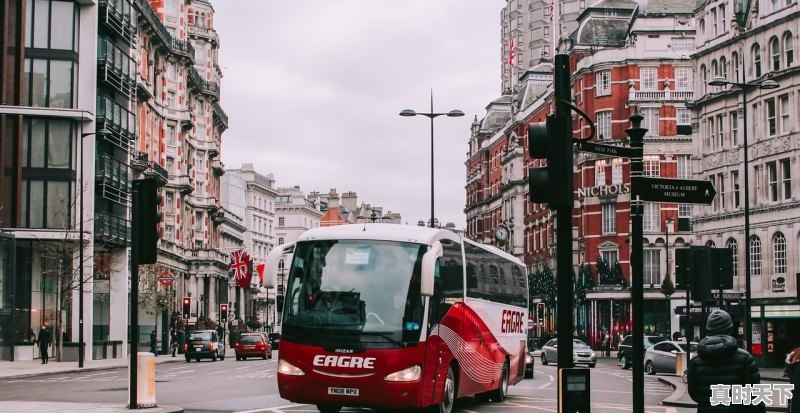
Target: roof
[603,32]
[332,217]
[668,6]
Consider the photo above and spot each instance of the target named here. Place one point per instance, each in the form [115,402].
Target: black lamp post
[453,113]
[667,223]
[765,84]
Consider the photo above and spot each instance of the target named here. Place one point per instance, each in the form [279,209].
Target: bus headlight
[410,374]
[286,368]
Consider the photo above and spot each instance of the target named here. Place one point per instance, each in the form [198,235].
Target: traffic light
[187,307]
[279,303]
[223,313]
[146,220]
[552,140]
[540,314]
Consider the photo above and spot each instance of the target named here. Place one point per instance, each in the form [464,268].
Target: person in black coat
[44,340]
[720,361]
[153,343]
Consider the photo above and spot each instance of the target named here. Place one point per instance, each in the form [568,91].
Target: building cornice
[768,209]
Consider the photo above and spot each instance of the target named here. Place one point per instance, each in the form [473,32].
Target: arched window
[735,63]
[788,49]
[723,67]
[202,20]
[775,53]
[779,253]
[755,256]
[703,78]
[734,247]
[197,18]
[756,52]
[714,69]
[711,244]
[702,26]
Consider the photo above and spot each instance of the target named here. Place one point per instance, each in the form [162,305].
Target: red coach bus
[398,316]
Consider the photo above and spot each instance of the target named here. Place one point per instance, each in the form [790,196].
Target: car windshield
[200,336]
[578,344]
[250,339]
[354,291]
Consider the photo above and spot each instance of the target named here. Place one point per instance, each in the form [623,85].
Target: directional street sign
[682,191]
[609,150]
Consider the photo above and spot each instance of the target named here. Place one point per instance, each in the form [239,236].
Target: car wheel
[648,367]
[529,374]
[329,409]
[499,395]
[264,357]
[214,356]
[197,359]
[238,358]
[269,355]
[623,362]
[188,359]
[544,359]
[221,357]
[592,365]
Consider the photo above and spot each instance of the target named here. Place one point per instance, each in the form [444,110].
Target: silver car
[660,358]
[581,353]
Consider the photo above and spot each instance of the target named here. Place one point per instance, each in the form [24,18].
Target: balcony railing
[660,95]
[210,255]
[112,172]
[120,17]
[115,67]
[218,167]
[207,32]
[205,86]
[159,172]
[184,184]
[112,229]
[119,123]
[176,46]
[220,114]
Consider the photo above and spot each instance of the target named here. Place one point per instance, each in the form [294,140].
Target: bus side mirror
[273,258]
[429,269]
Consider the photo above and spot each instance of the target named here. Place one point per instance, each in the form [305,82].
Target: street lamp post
[431,115]
[765,84]
[667,223]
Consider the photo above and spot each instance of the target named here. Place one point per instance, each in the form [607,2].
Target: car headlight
[410,374]
[593,354]
[528,359]
[288,369]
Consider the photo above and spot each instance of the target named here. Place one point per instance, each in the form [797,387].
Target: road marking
[271,409]
[530,407]
[241,368]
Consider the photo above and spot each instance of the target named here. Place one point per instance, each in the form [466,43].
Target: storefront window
[6,296]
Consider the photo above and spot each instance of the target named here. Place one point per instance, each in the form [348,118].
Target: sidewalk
[39,407]
[680,395]
[30,368]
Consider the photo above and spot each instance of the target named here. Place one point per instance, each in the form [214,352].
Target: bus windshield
[354,291]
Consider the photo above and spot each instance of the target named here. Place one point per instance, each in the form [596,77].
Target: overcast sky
[313,90]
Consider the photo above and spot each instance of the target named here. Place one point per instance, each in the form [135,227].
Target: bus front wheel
[328,409]
[448,395]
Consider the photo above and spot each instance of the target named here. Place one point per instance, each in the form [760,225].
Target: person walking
[720,361]
[44,340]
[174,343]
[793,371]
[153,343]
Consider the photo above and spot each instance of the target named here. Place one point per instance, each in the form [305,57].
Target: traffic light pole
[134,303]
[636,134]
[563,144]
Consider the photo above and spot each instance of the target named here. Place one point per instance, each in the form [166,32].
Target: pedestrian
[174,342]
[44,340]
[153,343]
[720,361]
[793,371]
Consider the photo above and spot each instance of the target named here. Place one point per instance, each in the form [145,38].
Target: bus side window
[472,276]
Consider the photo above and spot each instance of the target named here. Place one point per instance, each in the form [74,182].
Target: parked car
[204,344]
[625,349]
[660,358]
[529,362]
[274,340]
[253,345]
[581,353]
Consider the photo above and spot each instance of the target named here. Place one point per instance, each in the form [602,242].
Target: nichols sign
[604,190]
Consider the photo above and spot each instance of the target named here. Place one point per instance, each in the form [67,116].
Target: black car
[204,344]
[529,362]
[274,340]
[625,350]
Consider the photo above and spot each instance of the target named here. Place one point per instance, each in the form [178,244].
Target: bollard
[680,364]
[145,380]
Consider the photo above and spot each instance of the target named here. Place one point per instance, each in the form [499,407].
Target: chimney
[333,199]
[350,200]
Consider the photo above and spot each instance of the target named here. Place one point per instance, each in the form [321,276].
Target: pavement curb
[24,406]
[76,370]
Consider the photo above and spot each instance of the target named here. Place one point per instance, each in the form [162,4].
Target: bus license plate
[343,391]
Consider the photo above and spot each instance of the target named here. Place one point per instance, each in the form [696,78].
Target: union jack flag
[240,265]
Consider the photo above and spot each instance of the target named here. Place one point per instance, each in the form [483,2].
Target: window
[684,167]
[652,267]
[776,4]
[652,217]
[169,202]
[772,123]
[714,22]
[685,211]
[48,83]
[169,232]
[600,173]
[788,49]
[603,83]
[280,241]
[786,178]
[759,183]
[682,44]
[711,136]
[650,121]
[648,78]
[714,68]
[715,202]
[171,99]
[703,79]
[720,131]
[785,108]
[52,24]
[734,117]
[616,171]
[281,221]
[755,256]
[604,125]
[775,53]
[171,135]
[652,165]
[611,257]
[722,190]
[198,221]
[735,63]
[684,116]
[734,246]
[736,188]
[723,67]
[722,19]
[684,78]
[609,216]
[756,53]
[779,253]
[170,165]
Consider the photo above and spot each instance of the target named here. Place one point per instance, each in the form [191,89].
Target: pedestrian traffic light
[187,307]
[552,140]
[540,314]
[223,313]
[146,220]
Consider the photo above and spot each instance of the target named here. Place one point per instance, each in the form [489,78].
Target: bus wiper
[381,334]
